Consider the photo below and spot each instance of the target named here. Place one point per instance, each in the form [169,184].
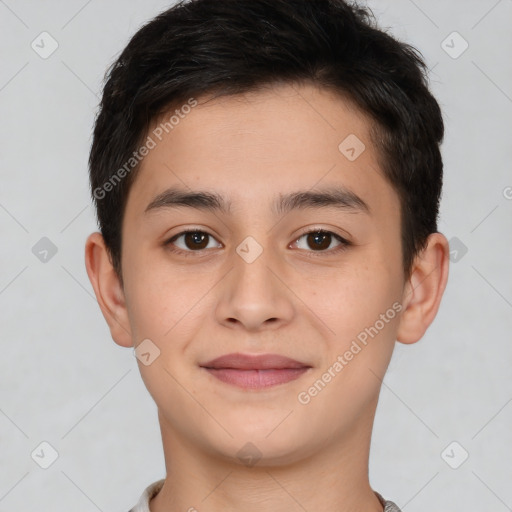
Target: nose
[254,294]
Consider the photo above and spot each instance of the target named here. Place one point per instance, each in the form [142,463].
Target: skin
[249,148]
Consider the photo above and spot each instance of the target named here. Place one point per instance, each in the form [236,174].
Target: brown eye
[193,240]
[320,240]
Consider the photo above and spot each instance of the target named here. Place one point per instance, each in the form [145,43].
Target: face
[316,277]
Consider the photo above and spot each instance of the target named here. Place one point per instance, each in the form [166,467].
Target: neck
[334,478]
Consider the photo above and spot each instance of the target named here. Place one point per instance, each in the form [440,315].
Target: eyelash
[344,244]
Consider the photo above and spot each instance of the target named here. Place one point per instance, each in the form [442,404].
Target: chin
[263,444]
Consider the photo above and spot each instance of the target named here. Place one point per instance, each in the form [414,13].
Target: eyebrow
[338,197]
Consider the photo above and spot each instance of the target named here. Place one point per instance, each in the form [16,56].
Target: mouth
[255,371]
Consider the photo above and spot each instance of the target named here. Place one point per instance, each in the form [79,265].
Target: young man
[267,178]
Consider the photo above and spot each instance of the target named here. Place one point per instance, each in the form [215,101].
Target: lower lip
[256,379]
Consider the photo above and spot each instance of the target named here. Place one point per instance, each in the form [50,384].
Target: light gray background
[63,379]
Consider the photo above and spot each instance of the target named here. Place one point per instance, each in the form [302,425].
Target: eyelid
[344,244]
[169,241]
[319,229]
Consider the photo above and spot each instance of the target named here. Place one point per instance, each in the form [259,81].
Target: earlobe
[108,290]
[424,291]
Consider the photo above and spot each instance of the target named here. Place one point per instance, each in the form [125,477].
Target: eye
[320,240]
[194,240]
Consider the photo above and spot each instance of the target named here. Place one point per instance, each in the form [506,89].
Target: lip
[238,361]
[255,371]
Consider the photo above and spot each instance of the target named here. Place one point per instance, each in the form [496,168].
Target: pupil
[316,236]
[196,238]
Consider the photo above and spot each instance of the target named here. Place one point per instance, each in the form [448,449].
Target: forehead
[250,148]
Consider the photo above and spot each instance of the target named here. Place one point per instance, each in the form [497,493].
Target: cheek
[169,306]
[363,312]
[351,298]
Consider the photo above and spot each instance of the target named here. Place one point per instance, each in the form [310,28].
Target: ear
[424,290]
[108,290]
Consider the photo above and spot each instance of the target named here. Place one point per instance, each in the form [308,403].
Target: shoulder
[149,492]
[389,506]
